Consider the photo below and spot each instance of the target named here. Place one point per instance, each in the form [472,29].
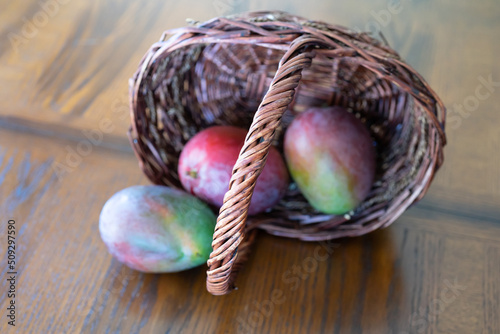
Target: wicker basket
[258,70]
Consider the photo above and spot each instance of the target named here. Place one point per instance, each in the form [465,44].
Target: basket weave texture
[258,70]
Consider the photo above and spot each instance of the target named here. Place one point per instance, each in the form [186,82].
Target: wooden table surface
[64,67]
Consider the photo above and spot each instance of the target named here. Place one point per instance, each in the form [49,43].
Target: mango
[206,164]
[331,158]
[157,229]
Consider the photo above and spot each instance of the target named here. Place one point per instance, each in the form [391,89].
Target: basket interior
[197,86]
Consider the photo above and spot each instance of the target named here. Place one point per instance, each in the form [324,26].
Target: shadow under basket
[257,71]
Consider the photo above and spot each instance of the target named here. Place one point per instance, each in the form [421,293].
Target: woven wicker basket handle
[230,229]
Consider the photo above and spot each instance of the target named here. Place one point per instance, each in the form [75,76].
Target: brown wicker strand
[248,167]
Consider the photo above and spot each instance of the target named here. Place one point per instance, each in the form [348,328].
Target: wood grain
[436,270]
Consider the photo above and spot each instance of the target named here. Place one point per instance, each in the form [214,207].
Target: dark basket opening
[199,86]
